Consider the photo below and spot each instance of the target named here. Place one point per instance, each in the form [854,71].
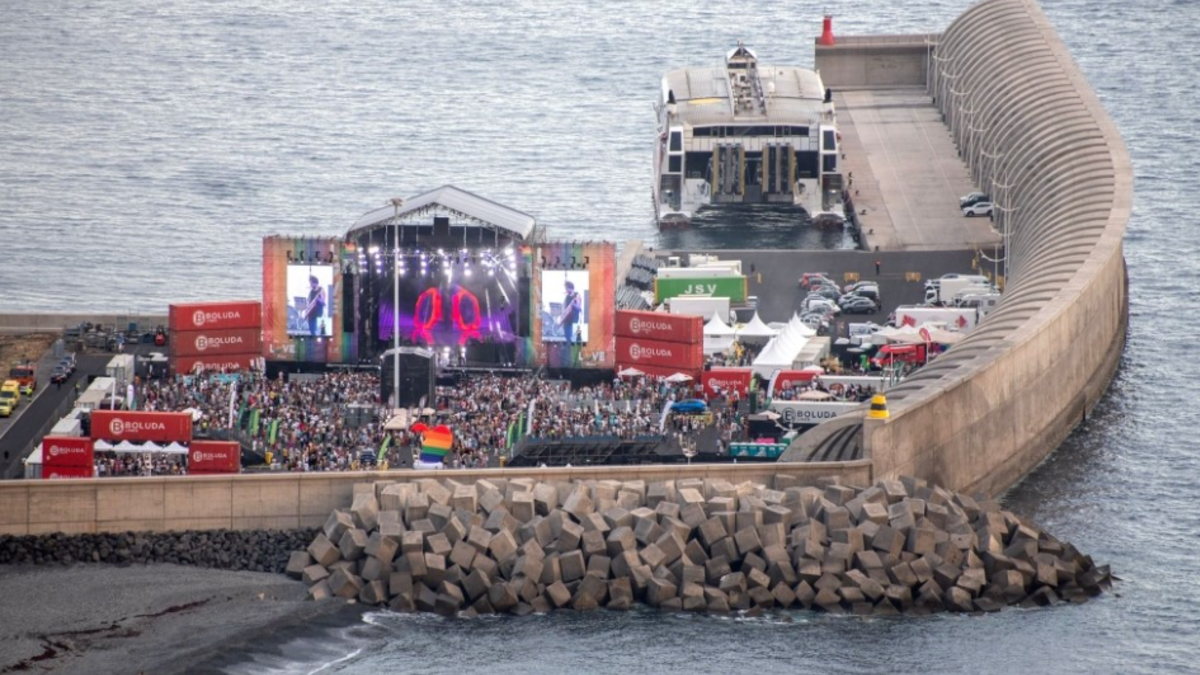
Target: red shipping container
[658,371]
[67,451]
[660,326]
[214,457]
[56,472]
[728,380]
[186,365]
[215,315]
[786,379]
[636,352]
[217,342]
[130,425]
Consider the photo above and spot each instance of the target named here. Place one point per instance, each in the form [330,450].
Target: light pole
[396,203]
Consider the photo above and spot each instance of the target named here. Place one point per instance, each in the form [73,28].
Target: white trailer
[697,272]
[962,319]
[121,368]
[705,307]
[945,292]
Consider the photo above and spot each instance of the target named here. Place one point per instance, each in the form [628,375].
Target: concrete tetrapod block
[381,547]
[573,566]
[435,569]
[593,543]
[365,511]
[529,567]
[570,536]
[502,546]
[320,591]
[558,594]
[337,523]
[545,498]
[352,544]
[612,518]
[623,564]
[658,591]
[372,569]
[440,515]
[711,531]
[297,562]
[345,584]
[313,574]
[521,506]
[416,508]
[373,593]
[323,551]
[438,544]
[747,541]
[578,504]
[619,540]
[463,554]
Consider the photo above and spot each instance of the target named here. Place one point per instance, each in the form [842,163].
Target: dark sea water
[146,147]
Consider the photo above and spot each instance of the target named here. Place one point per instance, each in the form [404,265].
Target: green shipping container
[733,288]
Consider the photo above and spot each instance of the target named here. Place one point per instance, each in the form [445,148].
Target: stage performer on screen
[572,306]
[316,305]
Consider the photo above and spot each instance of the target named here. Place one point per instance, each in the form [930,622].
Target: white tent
[780,353]
[717,328]
[630,372]
[126,446]
[756,330]
[715,344]
[797,325]
[679,377]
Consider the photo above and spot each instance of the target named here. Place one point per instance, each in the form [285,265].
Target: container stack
[660,344]
[215,335]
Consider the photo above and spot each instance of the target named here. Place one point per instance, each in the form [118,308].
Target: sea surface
[147,147]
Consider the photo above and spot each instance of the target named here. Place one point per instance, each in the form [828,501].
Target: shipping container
[59,472]
[698,272]
[727,380]
[127,425]
[186,365]
[660,326]
[215,315]
[67,451]
[205,457]
[636,351]
[217,342]
[733,288]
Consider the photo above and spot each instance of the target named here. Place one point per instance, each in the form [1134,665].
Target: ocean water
[146,147]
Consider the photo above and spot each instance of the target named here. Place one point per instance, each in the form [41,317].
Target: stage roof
[458,203]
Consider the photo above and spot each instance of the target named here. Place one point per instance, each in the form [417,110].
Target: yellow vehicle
[10,397]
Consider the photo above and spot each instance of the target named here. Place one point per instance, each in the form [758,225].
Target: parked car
[978,209]
[691,405]
[849,288]
[60,374]
[68,364]
[816,321]
[869,292]
[856,304]
[825,291]
[809,279]
[973,198]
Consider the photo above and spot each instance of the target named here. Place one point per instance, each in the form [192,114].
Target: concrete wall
[875,61]
[1034,134]
[53,323]
[268,501]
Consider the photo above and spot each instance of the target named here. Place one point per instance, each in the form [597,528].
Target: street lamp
[396,203]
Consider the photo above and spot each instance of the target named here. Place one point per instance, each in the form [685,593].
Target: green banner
[274,429]
[733,288]
[254,422]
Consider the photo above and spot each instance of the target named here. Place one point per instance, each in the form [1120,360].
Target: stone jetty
[705,545]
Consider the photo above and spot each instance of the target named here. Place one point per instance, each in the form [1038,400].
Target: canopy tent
[126,446]
[678,378]
[718,344]
[780,353]
[196,414]
[814,395]
[756,330]
[630,372]
[398,421]
[797,326]
[717,328]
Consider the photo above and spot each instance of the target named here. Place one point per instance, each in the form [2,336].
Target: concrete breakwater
[521,546]
[237,550]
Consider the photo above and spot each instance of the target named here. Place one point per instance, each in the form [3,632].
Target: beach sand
[132,619]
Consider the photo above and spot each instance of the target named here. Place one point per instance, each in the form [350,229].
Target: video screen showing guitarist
[572,306]
[315,309]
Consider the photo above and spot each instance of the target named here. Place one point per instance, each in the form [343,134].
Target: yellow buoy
[879,409]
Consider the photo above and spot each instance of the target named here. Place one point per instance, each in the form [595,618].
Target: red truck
[26,375]
[913,354]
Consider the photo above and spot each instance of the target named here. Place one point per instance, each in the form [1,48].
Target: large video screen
[310,300]
[470,305]
[565,303]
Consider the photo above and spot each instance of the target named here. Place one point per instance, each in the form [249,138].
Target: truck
[121,369]
[914,355]
[962,319]
[943,293]
[25,373]
[705,307]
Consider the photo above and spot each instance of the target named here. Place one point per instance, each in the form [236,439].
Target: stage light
[468,272]
[491,273]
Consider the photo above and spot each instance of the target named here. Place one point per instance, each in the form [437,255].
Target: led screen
[310,300]
[471,304]
[564,306]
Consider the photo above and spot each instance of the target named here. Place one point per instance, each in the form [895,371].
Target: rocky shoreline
[521,546]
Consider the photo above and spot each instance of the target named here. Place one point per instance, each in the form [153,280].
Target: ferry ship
[745,133]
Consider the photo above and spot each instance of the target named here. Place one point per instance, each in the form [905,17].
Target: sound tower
[348,307]
[418,376]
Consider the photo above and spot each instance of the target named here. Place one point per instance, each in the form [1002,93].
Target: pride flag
[435,444]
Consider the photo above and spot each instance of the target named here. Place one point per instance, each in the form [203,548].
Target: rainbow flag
[435,444]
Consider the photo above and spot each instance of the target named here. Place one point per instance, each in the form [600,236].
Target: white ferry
[745,133]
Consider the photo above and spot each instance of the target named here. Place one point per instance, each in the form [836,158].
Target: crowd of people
[118,464]
[623,409]
[836,391]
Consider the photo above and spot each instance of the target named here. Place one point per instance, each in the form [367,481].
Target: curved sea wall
[1033,133]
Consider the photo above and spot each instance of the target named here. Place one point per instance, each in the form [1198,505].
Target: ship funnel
[827,32]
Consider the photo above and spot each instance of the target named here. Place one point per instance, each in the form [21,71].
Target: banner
[728,380]
[660,326]
[214,315]
[57,472]
[125,425]
[60,452]
[182,365]
[206,457]
[810,412]
[217,342]
[637,352]
[733,288]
